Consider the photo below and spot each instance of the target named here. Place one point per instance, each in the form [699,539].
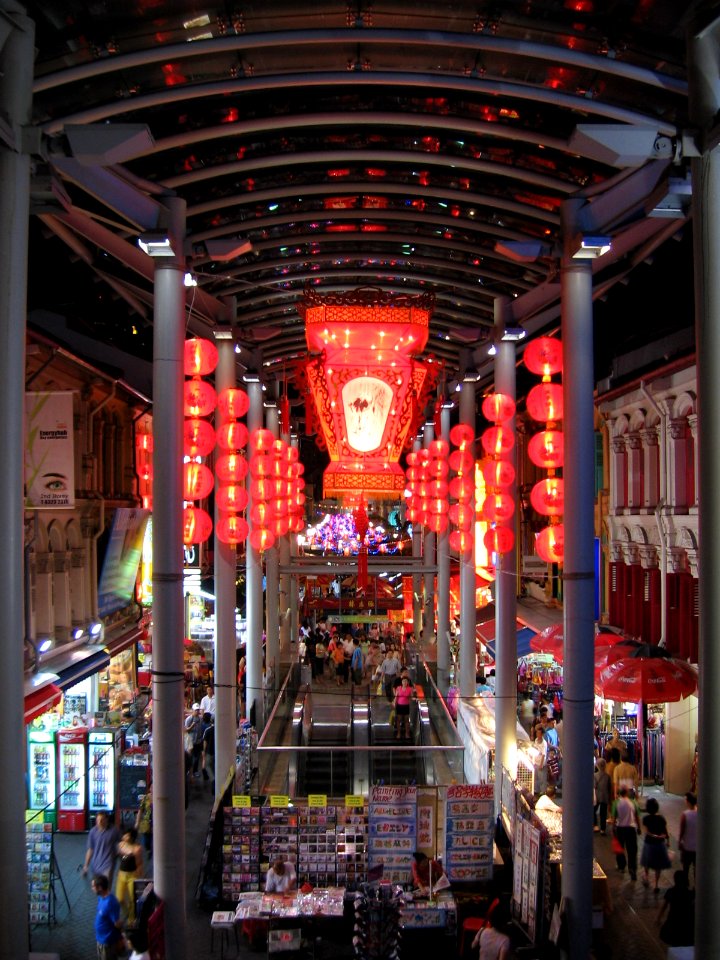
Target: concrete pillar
[429,556]
[465,681]
[254,589]
[168,607]
[443,586]
[417,580]
[272,587]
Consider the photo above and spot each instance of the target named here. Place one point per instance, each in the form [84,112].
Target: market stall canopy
[649,675]
[485,632]
[41,699]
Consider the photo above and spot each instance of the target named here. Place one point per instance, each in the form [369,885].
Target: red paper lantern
[198,481]
[548,497]
[262,539]
[291,454]
[438,469]
[263,466]
[280,525]
[461,435]
[279,506]
[461,488]
[231,497]
[199,397]
[498,407]
[197,525]
[261,441]
[232,435]
[412,458]
[201,357]
[498,507]
[297,523]
[438,522]
[438,505]
[545,402]
[461,461]
[545,449]
[499,539]
[462,515]
[232,529]
[497,441]
[261,513]
[544,356]
[460,541]
[144,442]
[498,473]
[439,449]
[414,514]
[231,468]
[198,438]
[233,403]
[438,488]
[550,543]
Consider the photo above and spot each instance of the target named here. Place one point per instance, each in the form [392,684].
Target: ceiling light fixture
[156,244]
[514,333]
[590,248]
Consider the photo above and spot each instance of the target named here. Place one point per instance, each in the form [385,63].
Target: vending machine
[41,772]
[103,755]
[72,765]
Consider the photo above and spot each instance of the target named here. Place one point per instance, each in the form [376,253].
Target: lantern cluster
[499,505]
[199,401]
[144,467]
[231,467]
[461,488]
[278,500]
[427,486]
[545,404]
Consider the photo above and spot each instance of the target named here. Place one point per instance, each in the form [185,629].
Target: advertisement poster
[49,453]
[392,831]
[533,857]
[470,827]
[426,825]
[122,557]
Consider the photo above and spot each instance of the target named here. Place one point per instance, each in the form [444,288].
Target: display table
[438,913]
[601,898]
[258,912]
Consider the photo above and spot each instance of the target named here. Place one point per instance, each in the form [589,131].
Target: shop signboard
[470,826]
[392,831]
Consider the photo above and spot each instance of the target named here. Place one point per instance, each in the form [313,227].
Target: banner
[49,453]
[122,557]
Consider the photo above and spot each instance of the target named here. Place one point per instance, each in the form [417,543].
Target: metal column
[272,587]
[443,587]
[465,681]
[704,76]
[168,607]
[429,555]
[16,76]
[579,580]
[253,589]
[417,580]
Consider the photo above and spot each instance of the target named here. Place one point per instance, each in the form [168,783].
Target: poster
[470,827]
[392,835]
[122,557]
[49,451]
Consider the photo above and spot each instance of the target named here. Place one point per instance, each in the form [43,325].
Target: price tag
[240,800]
[278,800]
[317,800]
[353,800]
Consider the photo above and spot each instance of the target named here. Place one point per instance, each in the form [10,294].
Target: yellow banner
[317,800]
[278,800]
[241,800]
[353,800]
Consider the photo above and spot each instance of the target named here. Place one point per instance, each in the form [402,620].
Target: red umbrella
[627,647]
[648,678]
[550,640]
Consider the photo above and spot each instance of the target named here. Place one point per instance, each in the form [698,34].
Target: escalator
[326,767]
[395,761]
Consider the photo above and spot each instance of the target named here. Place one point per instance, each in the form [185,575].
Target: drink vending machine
[103,756]
[41,771]
[72,764]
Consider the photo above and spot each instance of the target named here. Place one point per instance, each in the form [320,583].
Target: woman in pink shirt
[401,702]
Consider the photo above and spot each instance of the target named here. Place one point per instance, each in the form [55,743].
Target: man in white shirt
[207,704]
[627,828]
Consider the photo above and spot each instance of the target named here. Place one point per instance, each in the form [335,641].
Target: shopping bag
[617,847]
[391,719]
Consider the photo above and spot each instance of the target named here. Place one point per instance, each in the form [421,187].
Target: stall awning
[78,665]
[485,632]
[115,645]
[39,701]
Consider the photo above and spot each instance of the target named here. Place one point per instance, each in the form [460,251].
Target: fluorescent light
[251,377]
[590,248]
[156,245]
[515,333]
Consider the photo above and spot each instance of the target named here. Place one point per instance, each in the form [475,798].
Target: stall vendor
[281,877]
[424,871]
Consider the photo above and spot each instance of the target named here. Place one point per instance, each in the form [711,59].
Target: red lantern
[499,539]
[438,505]
[201,357]
[438,488]
[545,402]
[263,466]
[498,507]
[412,458]
[144,442]
[462,515]
[414,514]
[198,481]
[200,398]
[233,403]
[279,507]
[461,461]
[232,529]
[548,497]
[280,526]
[438,522]
[291,454]
[550,543]
[544,356]
[461,435]
[262,539]
[460,540]
[232,435]
[297,523]
[197,525]
[498,473]
[498,407]
[231,468]
[497,441]
[261,514]
[198,438]
[231,497]
[261,441]
[461,488]
[439,449]
[438,469]
[545,449]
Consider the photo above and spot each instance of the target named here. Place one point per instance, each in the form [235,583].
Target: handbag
[617,847]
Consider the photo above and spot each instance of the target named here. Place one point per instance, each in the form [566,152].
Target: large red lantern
[498,407]
[232,435]
[231,468]
[262,539]
[200,398]
[461,435]
[550,543]
[233,403]
[232,529]
[462,515]
[262,441]
[497,441]
[548,497]
[438,469]
[460,541]
[201,357]
[437,522]
[198,481]
[438,449]
[545,402]
[461,488]
[498,507]
[231,497]
[198,438]
[280,525]
[197,525]
[461,461]
[261,513]
[499,539]
[543,356]
[498,473]
[545,449]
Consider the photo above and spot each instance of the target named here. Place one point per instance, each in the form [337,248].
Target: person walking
[193,731]
[356,663]
[208,747]
[143,821]
[130,867]
[687,837]
[101,849]
[627,828]
[388,670]
[654,854]
[108,935]
[625,774]
[207,704]
[602,796]
[492,940]
[677,914]
[401,702]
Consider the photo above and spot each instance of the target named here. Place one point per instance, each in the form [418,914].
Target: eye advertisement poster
[49,452]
